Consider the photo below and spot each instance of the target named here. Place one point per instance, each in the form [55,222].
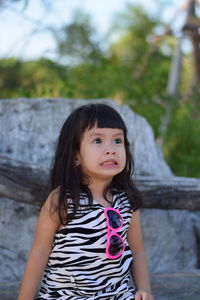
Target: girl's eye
[118,141]
[97,141]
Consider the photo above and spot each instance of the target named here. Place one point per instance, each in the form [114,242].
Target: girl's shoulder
[54,194]
[52,202]
[57,208]
[49,213]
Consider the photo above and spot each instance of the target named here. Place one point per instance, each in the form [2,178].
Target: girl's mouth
[109,163]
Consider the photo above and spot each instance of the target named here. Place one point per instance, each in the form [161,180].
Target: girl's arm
[48,223]
[139,270]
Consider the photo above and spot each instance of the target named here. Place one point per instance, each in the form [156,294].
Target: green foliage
[133,71]
[182,143]
[152,111]
[134,27]
[76,41]
[41,78]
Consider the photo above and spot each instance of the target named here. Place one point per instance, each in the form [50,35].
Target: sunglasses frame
[113,232]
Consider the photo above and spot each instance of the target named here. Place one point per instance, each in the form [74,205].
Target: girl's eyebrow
[102,134]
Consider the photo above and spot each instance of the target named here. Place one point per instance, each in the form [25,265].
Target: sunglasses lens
[115,220]
[116,245]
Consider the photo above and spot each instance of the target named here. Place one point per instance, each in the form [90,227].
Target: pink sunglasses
[115,244]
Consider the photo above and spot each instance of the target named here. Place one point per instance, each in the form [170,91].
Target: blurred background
[142,53]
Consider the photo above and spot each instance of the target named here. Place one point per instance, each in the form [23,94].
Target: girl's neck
[97,189]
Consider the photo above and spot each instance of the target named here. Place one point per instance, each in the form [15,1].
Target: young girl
[88,237]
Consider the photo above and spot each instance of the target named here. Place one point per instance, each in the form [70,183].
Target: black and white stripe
[78,268]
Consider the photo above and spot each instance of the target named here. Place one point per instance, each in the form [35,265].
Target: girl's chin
[108,173]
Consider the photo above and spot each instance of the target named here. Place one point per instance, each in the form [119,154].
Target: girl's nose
[109,152]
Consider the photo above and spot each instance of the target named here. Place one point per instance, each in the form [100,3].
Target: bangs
[102,116]
[89,116]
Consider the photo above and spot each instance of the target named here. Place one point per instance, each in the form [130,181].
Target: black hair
[67,176]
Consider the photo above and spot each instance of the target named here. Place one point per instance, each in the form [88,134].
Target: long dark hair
[67,176]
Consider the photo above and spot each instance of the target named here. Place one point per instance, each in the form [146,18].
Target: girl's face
[102,153]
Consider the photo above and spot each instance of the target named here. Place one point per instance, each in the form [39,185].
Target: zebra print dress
[78,268]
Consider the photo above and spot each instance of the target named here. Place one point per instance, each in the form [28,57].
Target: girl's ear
[77,163]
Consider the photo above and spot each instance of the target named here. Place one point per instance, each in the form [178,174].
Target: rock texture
[176,286]
[32,130]
[171,214]
[24,182]
[17,225]
[170,239]
[170,192]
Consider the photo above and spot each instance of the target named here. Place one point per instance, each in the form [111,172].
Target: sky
[23,30]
